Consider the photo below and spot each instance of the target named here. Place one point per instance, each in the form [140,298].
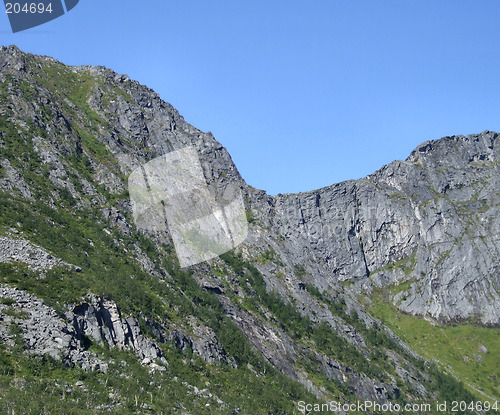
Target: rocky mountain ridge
[299,295]
[437,212]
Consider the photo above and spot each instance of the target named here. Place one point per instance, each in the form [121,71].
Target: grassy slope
[455,348]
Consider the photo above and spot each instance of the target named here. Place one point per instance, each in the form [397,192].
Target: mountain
[383,289]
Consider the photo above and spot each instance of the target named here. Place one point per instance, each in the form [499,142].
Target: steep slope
[290,315]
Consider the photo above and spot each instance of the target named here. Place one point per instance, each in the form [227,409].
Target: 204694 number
[461,406]
[32,8]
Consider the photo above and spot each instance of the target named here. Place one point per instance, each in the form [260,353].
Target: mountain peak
[458,148]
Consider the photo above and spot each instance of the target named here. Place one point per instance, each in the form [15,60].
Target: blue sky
[302,93]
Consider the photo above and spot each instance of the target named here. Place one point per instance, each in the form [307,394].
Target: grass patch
[128,387]
[454,347]
[300,271]
[407,265]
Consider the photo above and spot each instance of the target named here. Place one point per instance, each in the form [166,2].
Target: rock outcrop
[101,321]
[23,251]
[42,330]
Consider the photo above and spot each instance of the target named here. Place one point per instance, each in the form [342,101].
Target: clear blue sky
[302,93]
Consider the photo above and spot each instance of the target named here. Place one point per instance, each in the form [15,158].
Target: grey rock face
[13,180]
[432,220]
[42,330]
[202,341]
[285,353]
[21,250]
[45,333]
[102,322]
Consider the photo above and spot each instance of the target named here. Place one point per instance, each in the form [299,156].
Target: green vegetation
[398,195]
[374,336]
[140,294]
[250,216]
[299,271]
[295,324]
[129,387]
[7,301]
[269,255]
[456,348]
[445,385]
[288,316]
[110,272]
[407,265]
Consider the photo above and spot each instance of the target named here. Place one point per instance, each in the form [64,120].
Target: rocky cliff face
[300,289]
[435,216]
